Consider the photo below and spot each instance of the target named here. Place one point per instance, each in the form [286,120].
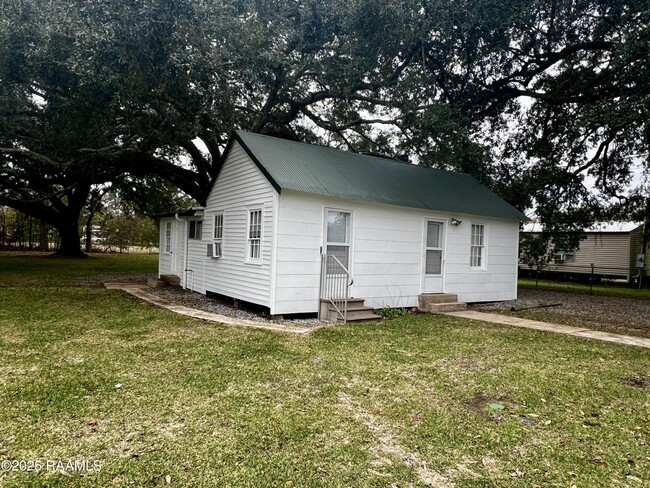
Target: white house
[285,220]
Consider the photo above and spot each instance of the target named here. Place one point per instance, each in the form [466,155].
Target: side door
[433,258]
[178,231]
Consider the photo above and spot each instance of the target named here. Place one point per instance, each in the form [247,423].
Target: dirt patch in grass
[388,445]
[642,382]
[479,404]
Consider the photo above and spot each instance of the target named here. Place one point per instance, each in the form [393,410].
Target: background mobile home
[613,249]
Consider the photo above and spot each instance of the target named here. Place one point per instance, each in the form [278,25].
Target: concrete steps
[440,303]
[357,312]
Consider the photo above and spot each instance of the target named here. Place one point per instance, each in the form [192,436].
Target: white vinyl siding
[386,256]
[477,249]
[240,187]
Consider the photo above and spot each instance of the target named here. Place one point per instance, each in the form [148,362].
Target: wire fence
[594,272]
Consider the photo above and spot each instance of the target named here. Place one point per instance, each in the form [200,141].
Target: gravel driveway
[611,314]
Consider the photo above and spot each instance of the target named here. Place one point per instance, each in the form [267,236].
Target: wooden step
[353,307]
[363,318]
[444,307]
[356,312]
[440,303]
[361,312]
[171,279]
[426,298]
[153,283]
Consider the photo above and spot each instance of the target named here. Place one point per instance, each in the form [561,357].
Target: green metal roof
[330,172]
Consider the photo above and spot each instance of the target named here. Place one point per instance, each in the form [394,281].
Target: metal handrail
[335,284]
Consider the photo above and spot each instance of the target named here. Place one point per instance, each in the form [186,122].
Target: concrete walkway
[139,290]
[560,329]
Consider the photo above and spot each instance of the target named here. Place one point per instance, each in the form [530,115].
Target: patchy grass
[605,290]
[356,405]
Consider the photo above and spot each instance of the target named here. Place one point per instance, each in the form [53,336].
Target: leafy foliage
[542,101]
[392,313]
[121,231]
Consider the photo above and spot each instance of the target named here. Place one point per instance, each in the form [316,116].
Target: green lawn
[207,405]
[40,269]
[617,290]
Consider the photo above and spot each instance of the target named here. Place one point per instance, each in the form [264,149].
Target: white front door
[337,235]
[433,259]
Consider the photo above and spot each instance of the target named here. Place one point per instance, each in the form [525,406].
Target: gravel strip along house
[300,228]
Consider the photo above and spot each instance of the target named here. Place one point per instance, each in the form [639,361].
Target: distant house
[612,248]
[287,224]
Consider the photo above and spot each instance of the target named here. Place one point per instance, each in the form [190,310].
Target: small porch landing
[440,303]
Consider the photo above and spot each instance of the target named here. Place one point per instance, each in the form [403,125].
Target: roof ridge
[378,158]
[327,171]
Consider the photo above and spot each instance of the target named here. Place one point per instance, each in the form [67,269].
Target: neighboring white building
[277,207]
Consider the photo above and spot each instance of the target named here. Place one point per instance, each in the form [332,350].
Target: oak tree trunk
[44,237]
[69,245]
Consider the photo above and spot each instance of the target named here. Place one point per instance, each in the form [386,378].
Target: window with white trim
[217,235]
[477,249]
[196,229]
[168,237]
[254,241]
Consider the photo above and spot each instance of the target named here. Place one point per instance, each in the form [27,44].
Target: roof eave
[190,212]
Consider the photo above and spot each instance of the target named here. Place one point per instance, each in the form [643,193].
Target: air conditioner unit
[560,256]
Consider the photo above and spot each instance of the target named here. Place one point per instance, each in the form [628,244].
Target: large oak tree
[530,97]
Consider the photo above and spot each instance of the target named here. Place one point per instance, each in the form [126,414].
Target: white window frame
[481,246]
[250,240]
[168,237]
[348,236]
[217,234]
[198,229]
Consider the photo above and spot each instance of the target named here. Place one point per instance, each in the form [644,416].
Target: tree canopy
[544,101]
